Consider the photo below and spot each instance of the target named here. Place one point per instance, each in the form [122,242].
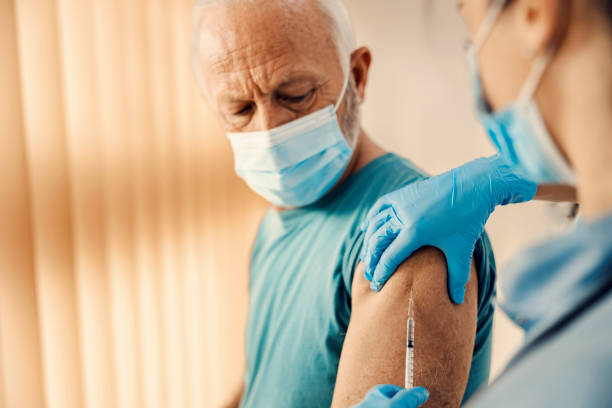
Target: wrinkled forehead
[265,42]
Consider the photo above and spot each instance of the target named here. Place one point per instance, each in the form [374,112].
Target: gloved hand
[448,211]
[387,396]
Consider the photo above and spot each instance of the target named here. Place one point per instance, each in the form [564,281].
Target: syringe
[409,378]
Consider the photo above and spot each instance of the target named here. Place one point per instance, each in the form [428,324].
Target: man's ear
[360,67]
[540,23]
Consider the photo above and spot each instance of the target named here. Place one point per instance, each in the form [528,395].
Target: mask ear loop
[489,21]
[525,97]
[535,76]
[343,92]
[342,95]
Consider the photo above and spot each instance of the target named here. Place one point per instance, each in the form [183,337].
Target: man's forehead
[232,91]
[241,36]
[225,57]
[264,65]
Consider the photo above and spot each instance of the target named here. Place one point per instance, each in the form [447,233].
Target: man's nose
[270,116]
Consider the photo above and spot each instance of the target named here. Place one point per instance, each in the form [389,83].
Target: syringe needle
[409,375]
[410,307]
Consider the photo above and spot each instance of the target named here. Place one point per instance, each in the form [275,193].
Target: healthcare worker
[542,77]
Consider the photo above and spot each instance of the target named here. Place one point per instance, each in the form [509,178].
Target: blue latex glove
[448,211]
[392,396]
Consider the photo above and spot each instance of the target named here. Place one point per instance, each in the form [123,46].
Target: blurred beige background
[124,233]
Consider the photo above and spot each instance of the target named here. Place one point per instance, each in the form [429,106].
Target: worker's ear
[360,67]
[540,23]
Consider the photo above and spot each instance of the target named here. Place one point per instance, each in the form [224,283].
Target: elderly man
[286,81]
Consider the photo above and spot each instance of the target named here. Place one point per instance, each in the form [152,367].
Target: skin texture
[374,349]
[575,94]
[259,74]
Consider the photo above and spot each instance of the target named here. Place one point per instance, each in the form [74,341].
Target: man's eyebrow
[232,98]
[296,81]
[229,96]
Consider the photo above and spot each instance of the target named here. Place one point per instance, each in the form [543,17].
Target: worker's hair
[334,10]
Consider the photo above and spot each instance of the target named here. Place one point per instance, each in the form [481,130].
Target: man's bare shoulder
[374,349]
[426,269]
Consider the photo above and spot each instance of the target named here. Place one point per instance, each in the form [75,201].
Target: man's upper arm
[374,348]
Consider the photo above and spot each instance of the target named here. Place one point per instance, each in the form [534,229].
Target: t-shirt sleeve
[486,270]
[351,260]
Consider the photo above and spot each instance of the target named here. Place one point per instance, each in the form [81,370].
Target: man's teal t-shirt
[300,291]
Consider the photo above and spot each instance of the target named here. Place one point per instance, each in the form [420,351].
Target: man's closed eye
[296,102]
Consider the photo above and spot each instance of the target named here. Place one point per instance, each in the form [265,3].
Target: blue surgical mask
[295,164]
[519,131]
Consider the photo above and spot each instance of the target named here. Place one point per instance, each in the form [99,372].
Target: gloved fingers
[378,221]
[459,253]
[379,206]
[377,231]
[377,244]
[512,185]
[412,398]
[369,226]
[379,396]
[523,190]
[386,390]
[372,226]
[397,252]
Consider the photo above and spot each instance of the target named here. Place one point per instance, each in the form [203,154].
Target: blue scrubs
[300,292]
[561,294]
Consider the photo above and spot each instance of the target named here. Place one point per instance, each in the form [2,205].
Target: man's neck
[366,151]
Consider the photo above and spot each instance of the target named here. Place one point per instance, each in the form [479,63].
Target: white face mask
[297,163]
[519,131]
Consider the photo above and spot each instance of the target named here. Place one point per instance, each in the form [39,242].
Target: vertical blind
[124,233]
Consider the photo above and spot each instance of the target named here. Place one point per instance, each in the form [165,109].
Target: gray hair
[334,10]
